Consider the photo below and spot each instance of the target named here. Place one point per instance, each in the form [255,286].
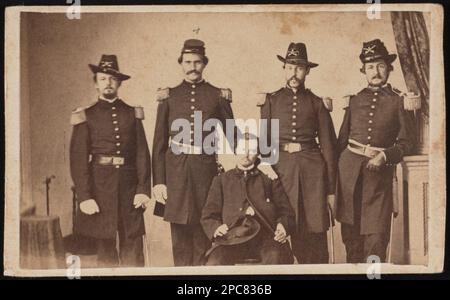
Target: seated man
[247,213]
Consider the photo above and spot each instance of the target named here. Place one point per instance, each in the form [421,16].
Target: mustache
[376,77]
[192,72]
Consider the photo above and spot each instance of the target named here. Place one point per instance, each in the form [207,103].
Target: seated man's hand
[89,207]
[141,200]
[280,234]
[221,230]
[250,211]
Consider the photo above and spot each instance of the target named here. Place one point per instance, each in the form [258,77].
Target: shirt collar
[108,100]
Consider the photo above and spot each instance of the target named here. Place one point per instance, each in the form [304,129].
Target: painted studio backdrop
[242,49]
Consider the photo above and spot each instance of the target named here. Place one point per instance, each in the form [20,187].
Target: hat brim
[301,62]
[95,69]
[388,58]
[225,240]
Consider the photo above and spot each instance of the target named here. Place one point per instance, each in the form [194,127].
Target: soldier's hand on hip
[267,170]
[331,201]
[141,200]
[377,162]
[280,234]
[160,193]
[89,207]
[221,230]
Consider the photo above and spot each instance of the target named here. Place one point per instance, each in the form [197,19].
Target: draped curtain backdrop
[413,49]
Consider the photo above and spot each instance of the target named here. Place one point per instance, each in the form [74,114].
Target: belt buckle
[118,161]
[294,147]
[105,160]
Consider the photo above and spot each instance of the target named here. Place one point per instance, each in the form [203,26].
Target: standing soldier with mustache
[110,167]
[375,135]
[307,170]
[182,181]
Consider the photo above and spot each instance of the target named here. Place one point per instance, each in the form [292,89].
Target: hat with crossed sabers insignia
[374,50]
[108,64]
[297,55]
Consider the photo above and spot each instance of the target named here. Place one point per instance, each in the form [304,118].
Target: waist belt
[106,160]
[297,147]
[362,149]
[190,149]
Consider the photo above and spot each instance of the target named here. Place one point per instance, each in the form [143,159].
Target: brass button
[192,100]
[192,116]
[193,86]
[294,103]
[374,100]
[376,93]
[192,123]
[115,122]
[191,140]
[370,121]
[294,131]
[117,167]
[369,137]
[192,93]
[117,136]
[295,97]
[294,138]
[192,107]
[294,109]
[113,108]
[372,107]
[114,115]
[294,117]
[192,131]
[293,123]
[116,129]
[117,152]
[117,144]
[369,129]
[371,114]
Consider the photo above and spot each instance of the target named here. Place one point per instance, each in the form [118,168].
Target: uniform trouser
[262,246]
[189,244]
[360,246]
[309,247]
[130,251]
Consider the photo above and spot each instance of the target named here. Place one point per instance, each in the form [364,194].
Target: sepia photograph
[224,139]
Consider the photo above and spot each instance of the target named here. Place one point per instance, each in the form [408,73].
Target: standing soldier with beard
[307,170]
[182,180]
[110,167]
[375,135]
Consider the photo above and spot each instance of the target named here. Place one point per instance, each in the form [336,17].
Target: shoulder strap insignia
[226,94]
[397,91]
[78,115]
[139,112]
[162,94]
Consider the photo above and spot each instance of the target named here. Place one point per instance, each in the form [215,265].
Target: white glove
[221,230]
[331,201]
[89,207]
[160,193]
[267,169]
[141,200]
[280,234]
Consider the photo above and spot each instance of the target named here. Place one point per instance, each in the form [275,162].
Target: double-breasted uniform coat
[187,176]
[115,130]
[307,175]
[374,117]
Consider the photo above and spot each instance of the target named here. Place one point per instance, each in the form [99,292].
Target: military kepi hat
[374,50]
[297,55]
[194,46]
[108,64]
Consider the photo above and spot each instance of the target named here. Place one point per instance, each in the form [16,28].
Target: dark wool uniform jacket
[374,117]
[187,177]
[111,129]
[227,200]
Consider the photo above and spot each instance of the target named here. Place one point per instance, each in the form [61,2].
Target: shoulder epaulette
[78,115]
[162,94]
[139,112]
[226,94]
[397,91]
